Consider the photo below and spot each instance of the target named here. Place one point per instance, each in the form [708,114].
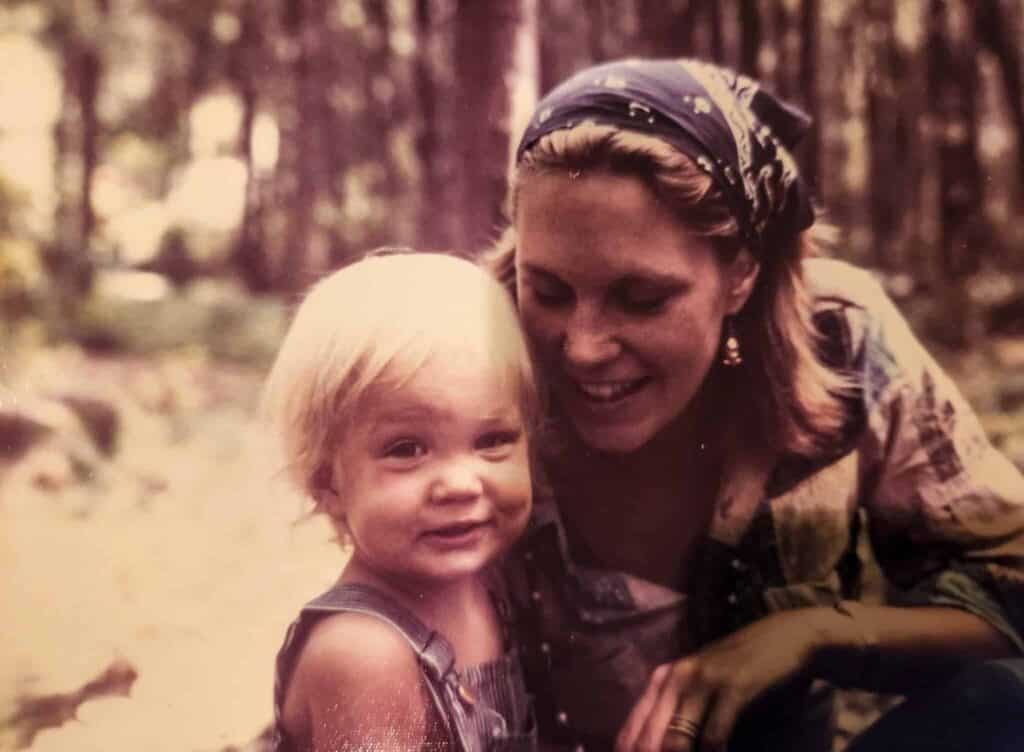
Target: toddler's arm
[357,686]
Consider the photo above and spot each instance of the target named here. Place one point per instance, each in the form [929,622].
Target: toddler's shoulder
[345,646]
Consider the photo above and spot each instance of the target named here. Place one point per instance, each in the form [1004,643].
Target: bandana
[738,133]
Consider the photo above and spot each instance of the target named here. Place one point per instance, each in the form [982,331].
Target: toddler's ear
[325,492]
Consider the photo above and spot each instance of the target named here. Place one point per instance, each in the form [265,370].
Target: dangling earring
[731,356]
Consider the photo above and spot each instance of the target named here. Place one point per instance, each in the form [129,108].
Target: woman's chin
[620,440]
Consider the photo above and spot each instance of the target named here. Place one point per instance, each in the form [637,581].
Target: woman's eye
[549,293]
[497,440]
[405,449]
[642,301]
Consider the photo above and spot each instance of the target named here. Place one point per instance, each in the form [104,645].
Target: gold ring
[684,726]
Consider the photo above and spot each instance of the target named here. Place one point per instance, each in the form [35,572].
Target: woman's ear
[740,278]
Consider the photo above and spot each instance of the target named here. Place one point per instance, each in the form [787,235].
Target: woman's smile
[610,392]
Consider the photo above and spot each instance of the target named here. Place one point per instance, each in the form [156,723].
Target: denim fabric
[981,709]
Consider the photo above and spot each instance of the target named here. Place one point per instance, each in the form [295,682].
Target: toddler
[403,395]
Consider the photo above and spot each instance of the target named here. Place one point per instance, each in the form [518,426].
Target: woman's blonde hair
[375,323]
[795,399]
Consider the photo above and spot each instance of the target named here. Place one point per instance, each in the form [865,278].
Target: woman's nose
[588,340]
[457,480]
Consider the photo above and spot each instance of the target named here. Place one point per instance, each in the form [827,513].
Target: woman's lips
[608,392]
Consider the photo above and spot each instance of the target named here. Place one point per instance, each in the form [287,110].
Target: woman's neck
[663,460]
[643,512]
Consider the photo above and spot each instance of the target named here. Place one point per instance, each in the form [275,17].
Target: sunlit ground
[180,556]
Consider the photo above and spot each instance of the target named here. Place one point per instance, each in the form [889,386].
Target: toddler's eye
[498,441]
[405,449]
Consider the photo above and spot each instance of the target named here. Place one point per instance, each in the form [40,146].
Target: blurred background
[173,174]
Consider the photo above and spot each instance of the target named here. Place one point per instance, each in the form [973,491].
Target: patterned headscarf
[733,129]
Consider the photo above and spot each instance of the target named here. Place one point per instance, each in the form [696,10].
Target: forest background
[173,175]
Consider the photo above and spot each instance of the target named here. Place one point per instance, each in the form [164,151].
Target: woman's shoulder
[834,282]
[850,303]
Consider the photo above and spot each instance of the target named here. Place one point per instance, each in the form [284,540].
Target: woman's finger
[719,722]
[682,732]
[678,697]
[626,740]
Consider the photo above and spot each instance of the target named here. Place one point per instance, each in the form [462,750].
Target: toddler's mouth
[458,532]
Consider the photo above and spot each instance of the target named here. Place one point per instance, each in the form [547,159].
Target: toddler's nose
[457,480]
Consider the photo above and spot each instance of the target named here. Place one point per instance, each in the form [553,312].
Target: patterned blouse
[945,515]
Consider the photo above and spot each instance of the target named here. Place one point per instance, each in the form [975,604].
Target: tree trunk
[782,78]
[995,32]
[485,45]
[77,146]
[889,137]
[90,68]
[811,148]
[666,27]
[304,21]
[434,226]
[564,49]
[952,83]
[750,36]
[249,255]
[717,39]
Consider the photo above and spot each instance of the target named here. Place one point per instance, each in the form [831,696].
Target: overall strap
[436,655]
[433,650]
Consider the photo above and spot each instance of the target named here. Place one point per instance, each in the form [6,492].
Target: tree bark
[889,137]
[249,255]
[434,227]
[666,27]
[717,39]
[952,83]
[77,145]
[485,45]
[750,37]
[305,22]
[783,35]
[564,49]
[995,32]
[811,148]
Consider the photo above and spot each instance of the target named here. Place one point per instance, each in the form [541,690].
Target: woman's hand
[710,688]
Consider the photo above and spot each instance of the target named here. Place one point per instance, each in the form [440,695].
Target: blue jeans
[981,709]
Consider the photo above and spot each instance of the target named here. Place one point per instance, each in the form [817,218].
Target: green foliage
[137,315]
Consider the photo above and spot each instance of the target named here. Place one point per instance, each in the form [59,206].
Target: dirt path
[180,555]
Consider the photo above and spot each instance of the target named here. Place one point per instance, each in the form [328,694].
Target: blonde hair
[376,323]
[801,411]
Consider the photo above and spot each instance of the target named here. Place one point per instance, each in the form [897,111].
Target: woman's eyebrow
[539,271]
[653,278]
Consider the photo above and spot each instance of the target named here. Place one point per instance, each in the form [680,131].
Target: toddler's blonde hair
[375,323]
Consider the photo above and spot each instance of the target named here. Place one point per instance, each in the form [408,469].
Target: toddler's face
[434,480]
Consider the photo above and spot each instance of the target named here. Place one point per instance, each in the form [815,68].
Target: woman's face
[624,307]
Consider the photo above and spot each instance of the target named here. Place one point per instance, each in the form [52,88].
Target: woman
[725,411]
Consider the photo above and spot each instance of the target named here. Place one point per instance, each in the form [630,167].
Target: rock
[19,433]
[44,441]
[99,418]
[35,713]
